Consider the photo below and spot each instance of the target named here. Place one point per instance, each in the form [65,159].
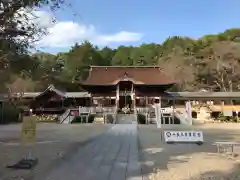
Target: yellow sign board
[28,133]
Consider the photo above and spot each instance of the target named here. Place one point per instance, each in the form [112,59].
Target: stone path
[113,156]
[126,119]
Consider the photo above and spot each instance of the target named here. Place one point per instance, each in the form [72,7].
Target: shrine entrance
[125,96]
[125,103]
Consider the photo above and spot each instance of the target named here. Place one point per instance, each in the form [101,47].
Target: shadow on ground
[68,140]
[233,174]
[155,153]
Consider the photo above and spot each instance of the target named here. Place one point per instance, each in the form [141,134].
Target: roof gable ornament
[125,77]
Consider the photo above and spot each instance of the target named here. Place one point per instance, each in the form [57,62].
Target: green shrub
[77,119]
[46,118]
[109,118]
[222,118]
[141,119]
[91,118]
[10,114]
[234,119]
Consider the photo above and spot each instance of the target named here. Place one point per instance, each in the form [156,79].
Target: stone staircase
[65,118]
[126,119]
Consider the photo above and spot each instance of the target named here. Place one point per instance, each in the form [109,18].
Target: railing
[183,118]
[166,110]
[64,116]
[109,109]
[93,110]
[87,110]
[125,93]
[142,109]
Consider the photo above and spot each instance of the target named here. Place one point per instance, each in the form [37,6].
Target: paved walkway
[113,156]
[126,119]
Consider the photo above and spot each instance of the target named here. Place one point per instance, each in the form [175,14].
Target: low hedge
[46,118]
[10,114]
[110,118]
[78,119]
[141,119]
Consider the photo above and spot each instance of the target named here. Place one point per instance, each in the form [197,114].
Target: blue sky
[101,21]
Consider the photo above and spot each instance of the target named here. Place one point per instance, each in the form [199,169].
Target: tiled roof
[57,91]
[206,95]
[77,94]
[111,75]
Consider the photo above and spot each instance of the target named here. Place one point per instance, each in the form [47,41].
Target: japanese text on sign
[28,133]
[183,136]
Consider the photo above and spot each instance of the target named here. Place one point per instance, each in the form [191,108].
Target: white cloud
[39,18]
[43,19]
[123,36]
[67,33]
[33,19]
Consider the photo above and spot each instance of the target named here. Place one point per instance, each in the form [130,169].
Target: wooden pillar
[146,100]
[134,103]
[117,97]
[237,115]
[146,113]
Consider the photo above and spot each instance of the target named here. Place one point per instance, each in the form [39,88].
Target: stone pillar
[173,107]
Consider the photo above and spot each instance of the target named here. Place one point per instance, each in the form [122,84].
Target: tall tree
[80,57]
[123,56]
[220,70]
[107,55]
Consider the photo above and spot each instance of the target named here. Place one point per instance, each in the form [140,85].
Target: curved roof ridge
[125,66]
[109,75]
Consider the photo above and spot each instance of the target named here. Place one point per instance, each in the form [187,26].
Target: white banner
[189,112]
[183,136]
[158,115]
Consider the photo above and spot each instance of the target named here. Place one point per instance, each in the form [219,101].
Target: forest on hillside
[211,62]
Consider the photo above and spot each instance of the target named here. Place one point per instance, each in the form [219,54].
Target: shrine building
[126,87]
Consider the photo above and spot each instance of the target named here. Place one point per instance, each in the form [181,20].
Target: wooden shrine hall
[121,89]
[126,87]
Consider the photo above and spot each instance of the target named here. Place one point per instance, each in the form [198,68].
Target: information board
[183,136]
[28,132]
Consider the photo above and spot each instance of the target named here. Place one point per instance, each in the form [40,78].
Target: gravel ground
[55,142]
[161,161]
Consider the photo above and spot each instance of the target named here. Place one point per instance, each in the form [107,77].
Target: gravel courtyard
[161,161]
[158,160]
[55,142]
